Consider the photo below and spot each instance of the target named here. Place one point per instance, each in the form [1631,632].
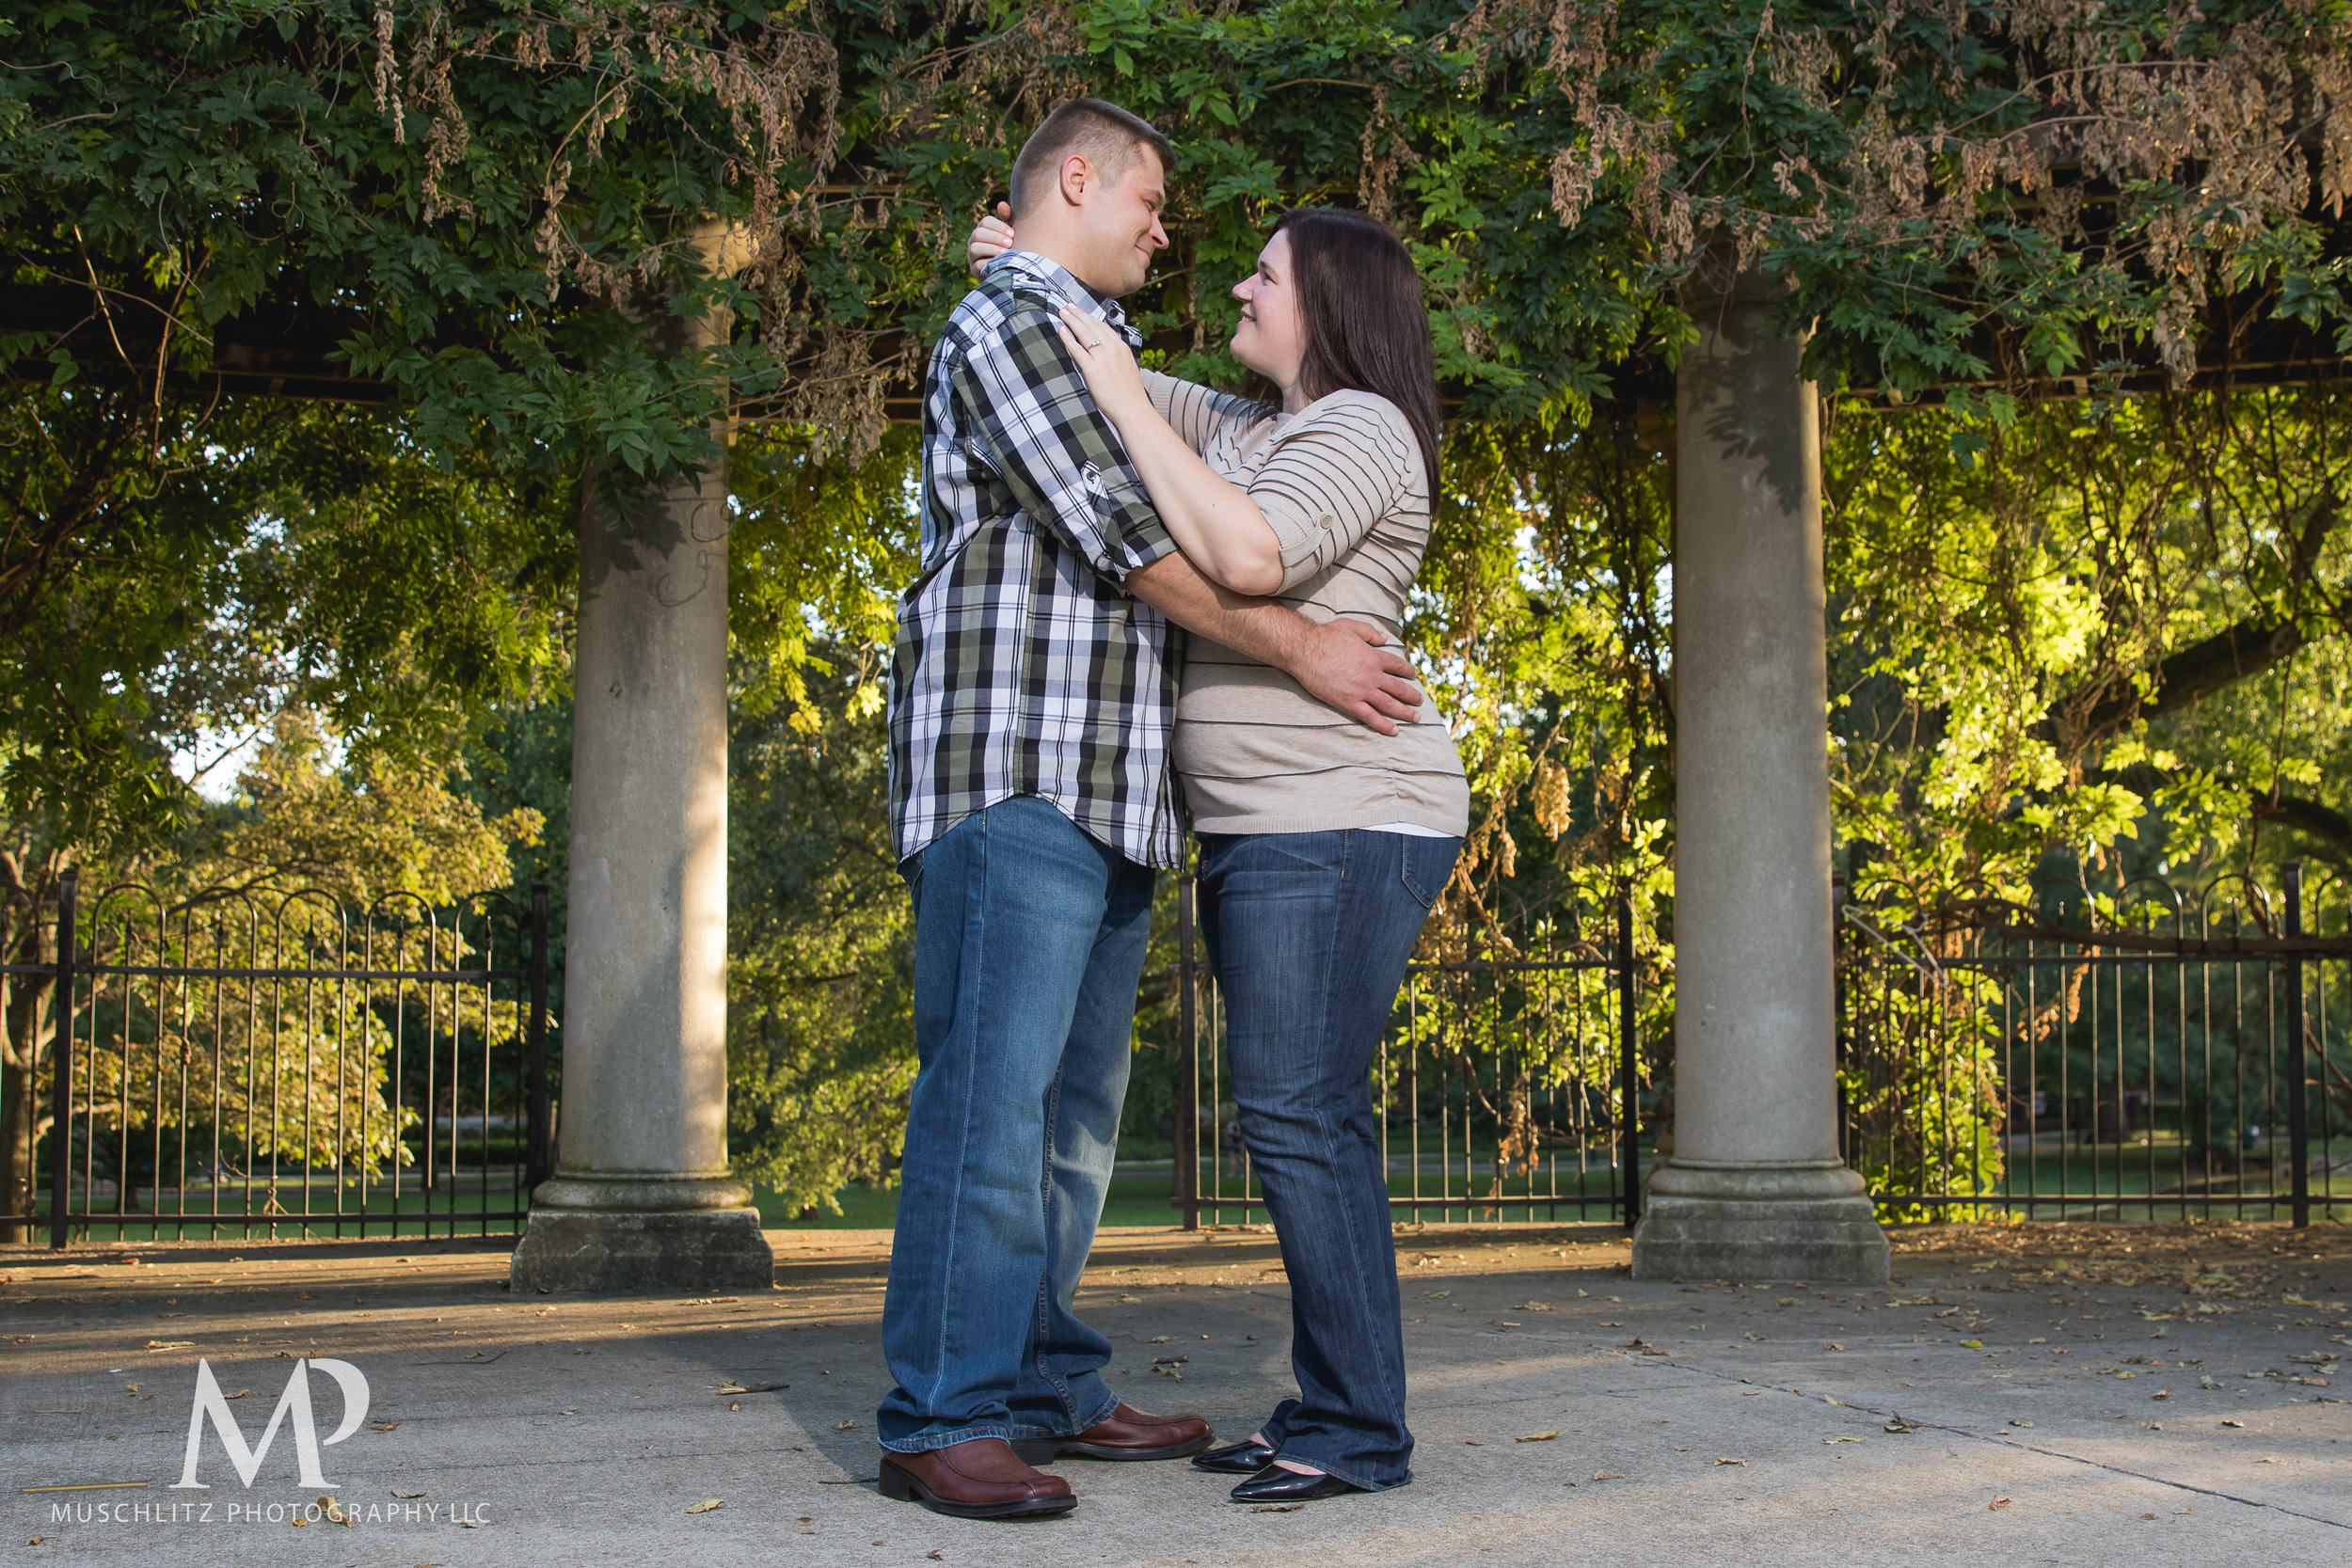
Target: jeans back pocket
[1428,864]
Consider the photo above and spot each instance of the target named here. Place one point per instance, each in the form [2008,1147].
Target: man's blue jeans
[1310,934]
[1028,944]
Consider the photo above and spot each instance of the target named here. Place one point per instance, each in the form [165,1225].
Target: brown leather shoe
[978,1480]
[1129,1433]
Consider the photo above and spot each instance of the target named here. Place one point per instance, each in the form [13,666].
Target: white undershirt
[1410,829]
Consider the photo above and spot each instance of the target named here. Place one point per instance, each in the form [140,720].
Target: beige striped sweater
[1341,484]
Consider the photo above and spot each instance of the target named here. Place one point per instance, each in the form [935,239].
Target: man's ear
[1078,177]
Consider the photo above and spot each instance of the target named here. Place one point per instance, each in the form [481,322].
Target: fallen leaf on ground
[408,1497]
[1841,1439]
[1899,1424]
[1972,1344]
[1607,1475]
[2021,1423]
[1437,1295]
[1474,1442]
[933,1554]
[753,1388]
[1999,1503]
[706,1505]
[238,1395]
[2238,1424]
[1833,1345]
[376,1426]
[848,1481]
[844,1426]
[1538,1437]
[1741,1463]
[1157,1340]
[1277,1508]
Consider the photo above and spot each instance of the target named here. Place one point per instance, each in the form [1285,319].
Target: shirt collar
[1061,280]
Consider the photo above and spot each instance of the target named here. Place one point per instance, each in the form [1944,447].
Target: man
[1033,695]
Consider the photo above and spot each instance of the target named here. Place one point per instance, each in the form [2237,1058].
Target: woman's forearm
[1212,519]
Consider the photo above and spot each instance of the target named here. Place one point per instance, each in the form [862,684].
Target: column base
[628,1242]
[1745,1230]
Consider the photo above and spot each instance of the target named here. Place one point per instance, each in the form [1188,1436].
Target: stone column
[1755,1188]
[641,1195]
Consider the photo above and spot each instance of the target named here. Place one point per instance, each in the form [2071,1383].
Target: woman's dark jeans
[1310,934]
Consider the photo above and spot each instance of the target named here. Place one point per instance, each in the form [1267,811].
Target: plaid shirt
[1023,667]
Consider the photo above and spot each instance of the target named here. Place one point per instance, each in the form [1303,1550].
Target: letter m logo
[294,1402]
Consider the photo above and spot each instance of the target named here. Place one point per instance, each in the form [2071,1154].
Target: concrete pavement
[2078,1395]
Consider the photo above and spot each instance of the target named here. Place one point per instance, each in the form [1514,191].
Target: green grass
[1140,1198]
[197,1225]
[2116,1174]
[1136,1200]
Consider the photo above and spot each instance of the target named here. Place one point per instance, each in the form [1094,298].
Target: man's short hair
[1103,134]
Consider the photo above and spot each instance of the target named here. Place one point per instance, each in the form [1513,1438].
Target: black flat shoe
[1245,1458]
[1275,1484]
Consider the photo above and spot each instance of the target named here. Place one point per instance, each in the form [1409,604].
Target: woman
[1322,843]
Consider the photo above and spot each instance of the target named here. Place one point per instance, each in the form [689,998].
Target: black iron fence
[243,1064]
[2153,1053]
[1509,1085]
[278,1065]
[2150,1052]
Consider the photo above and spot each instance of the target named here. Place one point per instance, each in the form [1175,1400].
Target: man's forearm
[1341,662]
[1266,631]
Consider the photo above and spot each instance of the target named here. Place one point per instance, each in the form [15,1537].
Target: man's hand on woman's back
[1342,662]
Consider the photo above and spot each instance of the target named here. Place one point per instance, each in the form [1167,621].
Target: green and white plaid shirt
[1023,667]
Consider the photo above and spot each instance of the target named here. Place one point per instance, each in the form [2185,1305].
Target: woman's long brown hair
[1367,325]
